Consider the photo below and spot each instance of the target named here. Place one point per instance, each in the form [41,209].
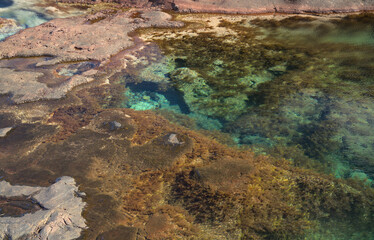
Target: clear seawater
[27,14]
[299,88]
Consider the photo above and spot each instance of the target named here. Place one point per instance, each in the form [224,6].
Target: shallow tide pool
[299,88]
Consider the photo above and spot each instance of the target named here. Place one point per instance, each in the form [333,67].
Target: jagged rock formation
[58,217]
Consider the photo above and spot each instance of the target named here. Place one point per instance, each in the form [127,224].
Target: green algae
[307,102]
[299,88]
[271,90]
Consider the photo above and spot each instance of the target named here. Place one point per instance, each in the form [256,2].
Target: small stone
[278,69]
[90,72]
[114,125]
[4,131]
[174,140]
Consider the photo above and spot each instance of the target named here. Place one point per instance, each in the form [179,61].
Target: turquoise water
[24,15]
[299,88]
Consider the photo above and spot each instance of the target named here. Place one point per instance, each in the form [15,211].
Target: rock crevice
[58,217]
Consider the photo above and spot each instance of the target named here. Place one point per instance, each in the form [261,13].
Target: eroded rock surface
[245,6]
[27,87]
[96,37]
[59,218]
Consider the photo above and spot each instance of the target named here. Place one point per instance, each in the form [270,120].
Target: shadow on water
[6,3]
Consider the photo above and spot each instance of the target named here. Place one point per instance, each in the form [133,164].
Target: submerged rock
[201,98]
[59,216]
[114,125]
[173,139]
[8,27]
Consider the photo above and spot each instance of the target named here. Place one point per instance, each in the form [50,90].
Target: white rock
[4,131]
[60,218]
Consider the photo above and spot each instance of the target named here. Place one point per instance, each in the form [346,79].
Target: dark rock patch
[6,3]
[17,206]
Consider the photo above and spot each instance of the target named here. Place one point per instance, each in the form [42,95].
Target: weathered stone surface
[24,87]
[82,38]
[96,37]
[60,217]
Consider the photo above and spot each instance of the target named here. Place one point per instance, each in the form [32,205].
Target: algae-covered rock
[119,233]
[201,99]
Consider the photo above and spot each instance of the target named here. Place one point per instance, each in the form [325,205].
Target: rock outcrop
[96,37]
[246,6]
[59,216]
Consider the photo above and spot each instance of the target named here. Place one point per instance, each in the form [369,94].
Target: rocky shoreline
[144,175]
[245,6]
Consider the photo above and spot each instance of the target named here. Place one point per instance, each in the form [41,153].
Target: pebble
[4,131]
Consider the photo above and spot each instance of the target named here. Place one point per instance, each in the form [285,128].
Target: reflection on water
[299,88]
